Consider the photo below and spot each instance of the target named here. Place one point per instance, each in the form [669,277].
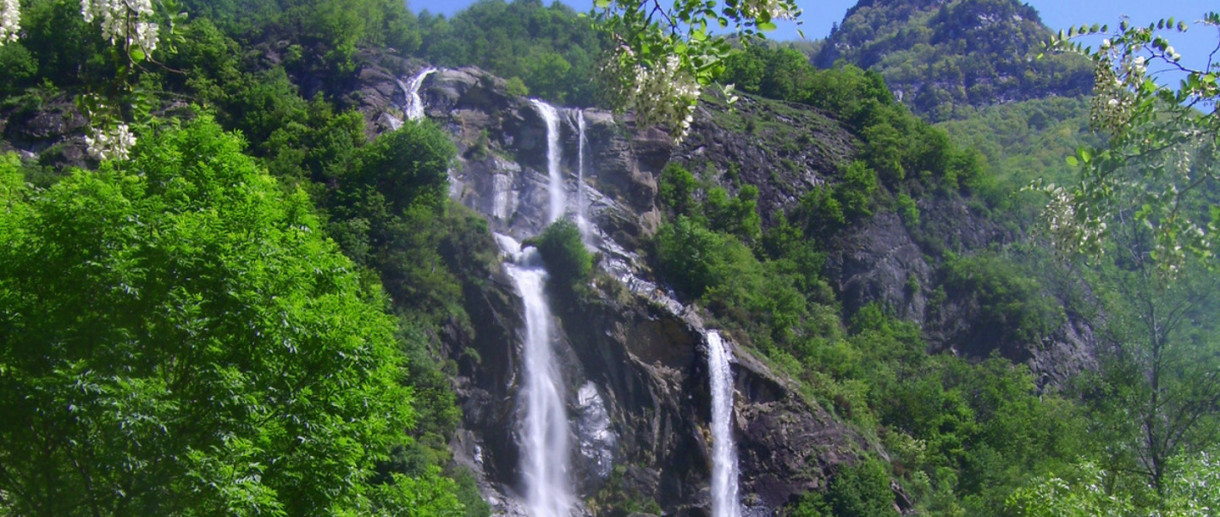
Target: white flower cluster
[10,20]
[777,9]
[1113,97]
[110,145]
[664,93]
[1070,230]
[123,21]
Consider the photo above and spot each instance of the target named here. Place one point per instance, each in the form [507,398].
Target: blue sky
[1057,14]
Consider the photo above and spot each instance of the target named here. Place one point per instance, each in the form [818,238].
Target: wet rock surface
[633,356]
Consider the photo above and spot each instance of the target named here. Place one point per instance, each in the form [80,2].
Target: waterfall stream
[724,453]
[414,109]
[544,424]
[554,156]
[581,221]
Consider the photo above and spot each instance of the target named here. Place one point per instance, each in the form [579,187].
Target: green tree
[1145,208]
[856,490]
[1159,164]
[1081,495]
[1192,490]
[178,337]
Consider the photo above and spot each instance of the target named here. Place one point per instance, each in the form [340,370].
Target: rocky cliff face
[633,357]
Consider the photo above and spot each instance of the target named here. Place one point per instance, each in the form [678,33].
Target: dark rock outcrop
[51,130]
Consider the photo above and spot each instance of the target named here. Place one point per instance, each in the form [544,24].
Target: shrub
[1013,307]
[567,260]
[855,193]
[689,256]
[677,190]
[863,489]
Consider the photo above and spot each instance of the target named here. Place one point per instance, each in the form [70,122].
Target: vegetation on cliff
[244,313]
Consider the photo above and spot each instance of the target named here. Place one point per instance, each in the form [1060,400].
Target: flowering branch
[1163,146]
[664,56]
[128,26]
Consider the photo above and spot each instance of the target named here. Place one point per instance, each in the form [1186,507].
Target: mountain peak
[944,58]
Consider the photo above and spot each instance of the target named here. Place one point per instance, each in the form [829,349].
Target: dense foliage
[1026,141]
[551,50]
[256,365]
[179,337]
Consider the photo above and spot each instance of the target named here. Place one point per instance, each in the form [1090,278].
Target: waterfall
[544,426]
[414,108]
[724,454]
[554,155]
[581,221]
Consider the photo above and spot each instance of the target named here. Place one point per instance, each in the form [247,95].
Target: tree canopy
[179,337]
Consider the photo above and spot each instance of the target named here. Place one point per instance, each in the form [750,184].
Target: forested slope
[945,57]
[274,301]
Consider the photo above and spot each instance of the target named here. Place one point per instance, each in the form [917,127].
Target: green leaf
[766,26]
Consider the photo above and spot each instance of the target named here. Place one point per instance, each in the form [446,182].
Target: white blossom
[123,21]
[774,8]
[663,92]
[729,96]
[1072,230]
[112,145]
[10,20]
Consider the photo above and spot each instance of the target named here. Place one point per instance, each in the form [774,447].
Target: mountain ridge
[945,58]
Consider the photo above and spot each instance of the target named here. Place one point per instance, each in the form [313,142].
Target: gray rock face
[654,367]
[785,150]
[876,264]
[880,260]
[51,130]
[633,358]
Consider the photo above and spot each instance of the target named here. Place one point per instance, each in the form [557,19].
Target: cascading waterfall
[581,221]
[544,428]
[414,109]
[553,160]
[724,453]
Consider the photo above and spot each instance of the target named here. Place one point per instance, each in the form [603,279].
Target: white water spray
[724,453]
[581,221]
[544,427]
[554,156]
[415,105]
